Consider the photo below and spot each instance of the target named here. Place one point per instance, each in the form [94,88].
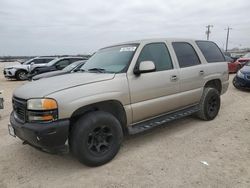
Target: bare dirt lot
[169,156]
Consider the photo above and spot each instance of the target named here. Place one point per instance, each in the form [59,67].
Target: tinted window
[158,53]
[37,61]
[210,51]
[75,59]
[62,64]
[47,60]
[186,54]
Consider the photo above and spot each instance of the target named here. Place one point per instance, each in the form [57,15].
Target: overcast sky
[46,27]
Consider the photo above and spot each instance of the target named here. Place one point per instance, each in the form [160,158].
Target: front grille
[19,107]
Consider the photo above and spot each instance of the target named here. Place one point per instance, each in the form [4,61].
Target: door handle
[202,72]
[174,78]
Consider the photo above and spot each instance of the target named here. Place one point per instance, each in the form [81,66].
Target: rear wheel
[209,104]
[96,138]
[21,75]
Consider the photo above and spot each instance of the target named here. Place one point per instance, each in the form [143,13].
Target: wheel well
[214,84]
[112,106]
[21,70]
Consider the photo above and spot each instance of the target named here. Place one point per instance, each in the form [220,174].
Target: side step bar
[149,124]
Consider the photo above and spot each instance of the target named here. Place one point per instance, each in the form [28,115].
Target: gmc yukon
[123,89]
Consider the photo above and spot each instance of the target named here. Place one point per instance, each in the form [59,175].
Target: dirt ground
[169,156]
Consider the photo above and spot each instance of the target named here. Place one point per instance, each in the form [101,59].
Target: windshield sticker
[128,49]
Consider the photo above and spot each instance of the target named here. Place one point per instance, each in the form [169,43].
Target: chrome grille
[19,107]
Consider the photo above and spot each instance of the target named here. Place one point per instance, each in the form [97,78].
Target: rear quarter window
[186,54]
[211,51]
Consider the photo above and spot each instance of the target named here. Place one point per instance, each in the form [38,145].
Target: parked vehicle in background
[234,66]
[244,59]
[74,67]
[56,64]
[242,78]
[20,71]
[122,89]
[1,99]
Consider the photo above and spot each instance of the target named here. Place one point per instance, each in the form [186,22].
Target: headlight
[42,110]
[240,74]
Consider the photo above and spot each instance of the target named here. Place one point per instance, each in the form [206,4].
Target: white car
[20,72]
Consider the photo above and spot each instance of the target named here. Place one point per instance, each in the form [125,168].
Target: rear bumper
[46,136]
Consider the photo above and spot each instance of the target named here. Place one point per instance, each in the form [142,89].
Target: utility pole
[208,30]
[228,29]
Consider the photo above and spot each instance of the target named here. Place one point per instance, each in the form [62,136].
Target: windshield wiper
[97,70]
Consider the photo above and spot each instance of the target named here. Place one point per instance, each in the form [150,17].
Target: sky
[48,27]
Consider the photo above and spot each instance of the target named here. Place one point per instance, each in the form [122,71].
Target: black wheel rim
[213,104]
[100,140]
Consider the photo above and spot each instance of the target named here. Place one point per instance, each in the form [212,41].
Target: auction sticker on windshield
[128,49]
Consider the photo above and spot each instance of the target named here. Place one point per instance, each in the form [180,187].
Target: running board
[155,122]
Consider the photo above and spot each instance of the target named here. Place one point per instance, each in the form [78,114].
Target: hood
[245,69]
[49,74]
[44,87]
[17,66]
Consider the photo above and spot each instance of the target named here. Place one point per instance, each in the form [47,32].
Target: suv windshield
[111,60]
[72,66]
[247,55]
[52,62]
[28,62]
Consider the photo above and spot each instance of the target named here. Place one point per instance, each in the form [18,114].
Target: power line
[228,29]
[208,31]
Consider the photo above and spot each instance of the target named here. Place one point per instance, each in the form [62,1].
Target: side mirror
[144,67]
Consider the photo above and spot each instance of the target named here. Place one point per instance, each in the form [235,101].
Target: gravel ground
[169,156]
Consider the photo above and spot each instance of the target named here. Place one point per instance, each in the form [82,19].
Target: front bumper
[9,73]
[49,137]
[242,82]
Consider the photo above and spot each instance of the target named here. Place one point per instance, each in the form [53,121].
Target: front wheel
[21,75]
[96,138]
[235,83]
[209,104]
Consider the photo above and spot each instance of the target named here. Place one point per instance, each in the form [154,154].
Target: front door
[153,93]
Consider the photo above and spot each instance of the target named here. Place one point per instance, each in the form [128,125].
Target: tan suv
[123,89]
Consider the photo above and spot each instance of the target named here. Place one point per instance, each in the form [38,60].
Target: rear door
[191,73]
[154,93]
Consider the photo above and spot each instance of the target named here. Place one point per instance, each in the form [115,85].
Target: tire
[21,75]
[96,138]
[235,84]
[209,104]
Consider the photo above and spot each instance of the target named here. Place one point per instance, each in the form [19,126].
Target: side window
[186,54]
[210,51]
[75,59]
[62,64]
[158,53]
[47,60]
[37,61]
